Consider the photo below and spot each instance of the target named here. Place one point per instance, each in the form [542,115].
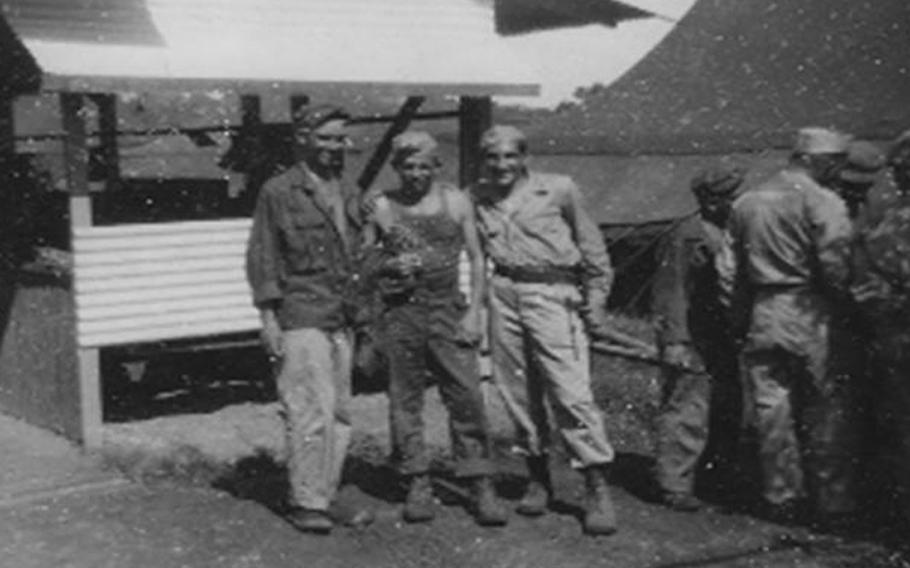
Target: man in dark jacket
[300,267]
[692,290]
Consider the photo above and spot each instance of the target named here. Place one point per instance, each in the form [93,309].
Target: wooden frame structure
[142,283]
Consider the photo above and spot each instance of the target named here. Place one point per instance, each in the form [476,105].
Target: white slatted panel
[136,283]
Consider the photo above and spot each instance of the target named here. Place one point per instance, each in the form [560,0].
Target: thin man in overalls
[428,329]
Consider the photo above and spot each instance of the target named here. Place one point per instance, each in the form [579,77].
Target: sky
[579,57]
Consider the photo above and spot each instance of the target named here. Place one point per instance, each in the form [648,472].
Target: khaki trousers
[540,354]
[314,387]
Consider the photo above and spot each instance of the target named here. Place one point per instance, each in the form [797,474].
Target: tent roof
[745,75]
[389,47]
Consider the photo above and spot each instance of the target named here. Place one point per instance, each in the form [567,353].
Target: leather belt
[540,274]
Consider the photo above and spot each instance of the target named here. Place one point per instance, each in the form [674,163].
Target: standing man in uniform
[883,294]
[692,290]
[792,246]
[551,278]
[300,265]
[427,326]
[848,403]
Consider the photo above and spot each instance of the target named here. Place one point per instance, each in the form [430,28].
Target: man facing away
[551,278]
[792,245]
[300,265]
[692,289]
[422,227]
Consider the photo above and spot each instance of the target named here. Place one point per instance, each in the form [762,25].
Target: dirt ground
[208,492]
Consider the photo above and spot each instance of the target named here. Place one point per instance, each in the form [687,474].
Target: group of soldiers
[766,284]
[789,300]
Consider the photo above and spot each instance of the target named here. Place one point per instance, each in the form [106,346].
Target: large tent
[737,78]
[729,84]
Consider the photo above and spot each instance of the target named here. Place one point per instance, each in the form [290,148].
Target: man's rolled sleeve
[595,260]
[262,254]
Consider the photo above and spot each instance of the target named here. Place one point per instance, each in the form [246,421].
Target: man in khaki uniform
[791,240]
[551,278]
[301,269]
[882,291]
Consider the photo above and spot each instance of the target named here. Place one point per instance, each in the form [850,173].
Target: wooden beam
[400,123]
[178,131]
[250,112]
[475,117]
[297,102]
[107,131]
[75,154]
[75,147]
[7,129]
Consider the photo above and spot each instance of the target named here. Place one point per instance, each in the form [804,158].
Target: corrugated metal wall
[148,282]
[137,283]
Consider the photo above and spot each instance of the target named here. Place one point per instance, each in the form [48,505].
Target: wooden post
[107,126]
[250,111]
[297,102]
[401,122]
[7,130]
[475,117]
[75,154]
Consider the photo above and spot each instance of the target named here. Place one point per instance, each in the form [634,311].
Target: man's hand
[404,264]
[594,313]
[470,329]
[680,356]
[871,291]
[271,337]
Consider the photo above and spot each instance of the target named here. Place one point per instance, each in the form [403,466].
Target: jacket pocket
[309,246]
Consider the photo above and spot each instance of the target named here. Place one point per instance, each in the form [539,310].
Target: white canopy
[393,46]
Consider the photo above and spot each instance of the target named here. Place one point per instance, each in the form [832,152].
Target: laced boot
[488,508]
[600,515]
[419,506]
[537,494]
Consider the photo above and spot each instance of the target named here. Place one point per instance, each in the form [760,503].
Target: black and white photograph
[454,283]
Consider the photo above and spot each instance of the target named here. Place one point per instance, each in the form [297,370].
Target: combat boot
[600,515]
[419,505]
[489,510]
[537,493]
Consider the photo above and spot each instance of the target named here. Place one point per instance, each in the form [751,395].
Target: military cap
[503,133]
[864,161]
[814,140]
[719,180]
[312,117]
[898,147]
[413,142]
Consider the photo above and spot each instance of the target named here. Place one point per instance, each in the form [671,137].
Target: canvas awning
[395,46]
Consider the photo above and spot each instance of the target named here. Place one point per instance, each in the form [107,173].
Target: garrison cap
[412,142]
[814,140]
[864,161]
[311,117]
[897,147]
[502,133]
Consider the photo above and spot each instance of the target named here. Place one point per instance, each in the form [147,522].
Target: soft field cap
[864,161]
[413,142]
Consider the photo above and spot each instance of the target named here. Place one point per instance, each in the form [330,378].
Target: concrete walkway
[38,465]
